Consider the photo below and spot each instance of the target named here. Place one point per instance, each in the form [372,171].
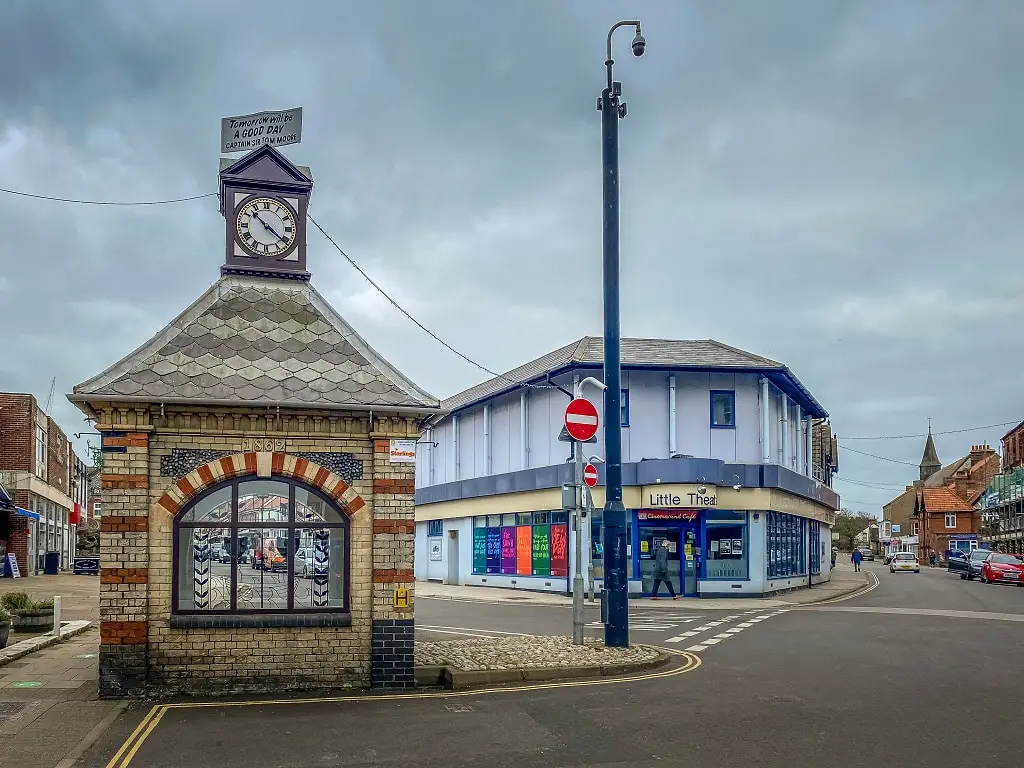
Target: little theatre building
[718,460]
[256,534]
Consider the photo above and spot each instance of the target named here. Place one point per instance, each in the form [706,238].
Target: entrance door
[682,557]
[453,557]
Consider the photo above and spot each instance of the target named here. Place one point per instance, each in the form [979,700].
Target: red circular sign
[590,475]
[581,419]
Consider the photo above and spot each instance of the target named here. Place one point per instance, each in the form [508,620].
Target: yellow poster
[689,550]
[644,547]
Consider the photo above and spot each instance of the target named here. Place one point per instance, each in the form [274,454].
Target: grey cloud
[832,184]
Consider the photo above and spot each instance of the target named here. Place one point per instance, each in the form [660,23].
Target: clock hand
[267,227]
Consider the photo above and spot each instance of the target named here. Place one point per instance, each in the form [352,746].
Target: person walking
[932,559]
[856,557]
[835,553]
[660,572]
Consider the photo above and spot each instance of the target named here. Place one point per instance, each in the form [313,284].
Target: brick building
[1013,448]
[965,478]
[257,525]
[944,521]
[37,467]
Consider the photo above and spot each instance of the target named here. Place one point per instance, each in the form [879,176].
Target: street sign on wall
[581,419]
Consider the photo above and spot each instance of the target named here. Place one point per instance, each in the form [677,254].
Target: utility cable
[107,202]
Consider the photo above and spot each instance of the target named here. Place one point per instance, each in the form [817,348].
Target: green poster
[479,550]
[541,550]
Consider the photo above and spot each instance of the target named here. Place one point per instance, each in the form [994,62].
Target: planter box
[32,620]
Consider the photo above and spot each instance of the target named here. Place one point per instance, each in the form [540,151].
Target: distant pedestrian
[835,553]
[932,559]
[856,557]
[660,572]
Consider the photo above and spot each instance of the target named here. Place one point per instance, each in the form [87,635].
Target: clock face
[266,227]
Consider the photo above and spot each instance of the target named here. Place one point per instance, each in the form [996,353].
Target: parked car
[956,561]
[304,563]
[904,561]
[1000,567]
[972,564]
[866,553]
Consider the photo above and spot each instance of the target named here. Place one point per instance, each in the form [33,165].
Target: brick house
[966,477]
[37,464]
[943,519]
[257,523]
[1013,448]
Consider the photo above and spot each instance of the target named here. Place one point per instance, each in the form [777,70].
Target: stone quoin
[257,534]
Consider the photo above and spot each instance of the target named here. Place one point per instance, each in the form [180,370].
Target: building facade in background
[41,473]
[945,521]
[718,460]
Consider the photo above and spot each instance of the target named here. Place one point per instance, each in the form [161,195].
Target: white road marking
[455,630]
[712,641]
[697,648]
[723,636]
[734,630]
[745,624]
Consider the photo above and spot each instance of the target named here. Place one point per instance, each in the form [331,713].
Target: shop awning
[26,513]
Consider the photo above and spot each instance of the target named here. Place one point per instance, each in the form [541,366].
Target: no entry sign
[590,475]
[581,419]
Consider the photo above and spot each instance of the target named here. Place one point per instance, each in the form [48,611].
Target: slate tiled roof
[256,340]
[670,353]
[940,478]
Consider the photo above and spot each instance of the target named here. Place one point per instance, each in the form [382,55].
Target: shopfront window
[525,544]
[725,546]
[815,546]
[785,544]
[261,545]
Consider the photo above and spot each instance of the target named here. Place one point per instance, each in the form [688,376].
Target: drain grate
[11,710]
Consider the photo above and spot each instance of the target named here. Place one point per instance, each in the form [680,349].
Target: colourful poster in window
[508,550]
[494,550]
[479,550]
[559,550]
[541,550]
[524,553]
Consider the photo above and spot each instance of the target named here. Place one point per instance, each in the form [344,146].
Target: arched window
[250,546]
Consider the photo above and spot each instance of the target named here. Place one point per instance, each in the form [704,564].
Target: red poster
[560,550]
[524,550]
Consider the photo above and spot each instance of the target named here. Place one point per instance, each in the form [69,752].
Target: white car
[904,561]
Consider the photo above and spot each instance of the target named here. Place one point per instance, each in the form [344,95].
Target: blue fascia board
[646,472]
[782,378]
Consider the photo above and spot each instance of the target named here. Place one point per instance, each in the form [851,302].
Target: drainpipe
[455,446]
[524,432]
[430,456]
[766,451]
[672,416]
[809,448]
[487,439]
[784,423]
[798,449]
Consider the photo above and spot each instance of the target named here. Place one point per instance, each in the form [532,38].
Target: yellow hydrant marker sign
[401,597]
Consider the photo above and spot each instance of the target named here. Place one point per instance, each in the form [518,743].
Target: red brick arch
[260,465]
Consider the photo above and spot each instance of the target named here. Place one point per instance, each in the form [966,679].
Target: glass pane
[508,519]
[494,521]
[262,501]
[215,508]
[320,568]
[524,518]
[204,580]
[726,552]
[541,517]
[311,508]
[479,521]
[263,576]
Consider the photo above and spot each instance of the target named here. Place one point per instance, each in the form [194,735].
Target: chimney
[979,452]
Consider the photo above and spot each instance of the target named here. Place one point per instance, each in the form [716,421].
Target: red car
[1000,567]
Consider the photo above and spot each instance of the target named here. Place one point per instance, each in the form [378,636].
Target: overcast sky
[835,185]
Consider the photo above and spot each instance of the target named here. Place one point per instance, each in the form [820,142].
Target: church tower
[930,463]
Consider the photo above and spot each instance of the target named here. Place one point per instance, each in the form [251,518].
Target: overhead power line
[880,458]
[107,202]
[945,432]
[866,484]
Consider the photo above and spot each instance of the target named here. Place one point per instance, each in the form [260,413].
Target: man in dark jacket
[855,558]
[660,572]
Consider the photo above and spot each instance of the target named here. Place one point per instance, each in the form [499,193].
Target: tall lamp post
[616,585]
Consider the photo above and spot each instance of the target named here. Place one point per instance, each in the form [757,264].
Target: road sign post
[581,422]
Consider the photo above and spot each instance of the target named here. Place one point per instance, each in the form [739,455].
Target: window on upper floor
[951,520]
[624,408]
[917,528]
[41,451]
[723,409]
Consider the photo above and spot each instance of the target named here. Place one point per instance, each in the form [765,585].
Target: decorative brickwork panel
[394,526]
[123,524]
[181,461]
[393,576]
[393,644]
[122,482]
[124,575]
[123,632]
[385,485]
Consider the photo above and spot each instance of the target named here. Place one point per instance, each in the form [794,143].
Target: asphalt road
[921,671]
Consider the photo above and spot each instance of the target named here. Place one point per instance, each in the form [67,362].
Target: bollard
[56,616]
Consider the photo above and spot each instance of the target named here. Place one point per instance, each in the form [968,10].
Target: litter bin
[51,563]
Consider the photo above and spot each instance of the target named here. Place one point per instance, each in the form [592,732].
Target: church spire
[930,463]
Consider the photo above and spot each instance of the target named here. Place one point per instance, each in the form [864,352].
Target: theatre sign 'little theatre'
[257,529]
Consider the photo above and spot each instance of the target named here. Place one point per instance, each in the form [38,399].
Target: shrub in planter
[5,626]
[15,601]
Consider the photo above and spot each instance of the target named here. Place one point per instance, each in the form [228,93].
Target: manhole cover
[11,710]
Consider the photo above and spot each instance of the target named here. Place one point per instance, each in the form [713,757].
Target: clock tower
[264,199]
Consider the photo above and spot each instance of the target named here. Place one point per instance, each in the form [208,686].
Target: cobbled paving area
[523,652]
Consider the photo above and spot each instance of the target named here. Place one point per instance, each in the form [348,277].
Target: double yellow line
[144,729]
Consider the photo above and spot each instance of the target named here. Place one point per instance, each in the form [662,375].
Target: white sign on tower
[246,132]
